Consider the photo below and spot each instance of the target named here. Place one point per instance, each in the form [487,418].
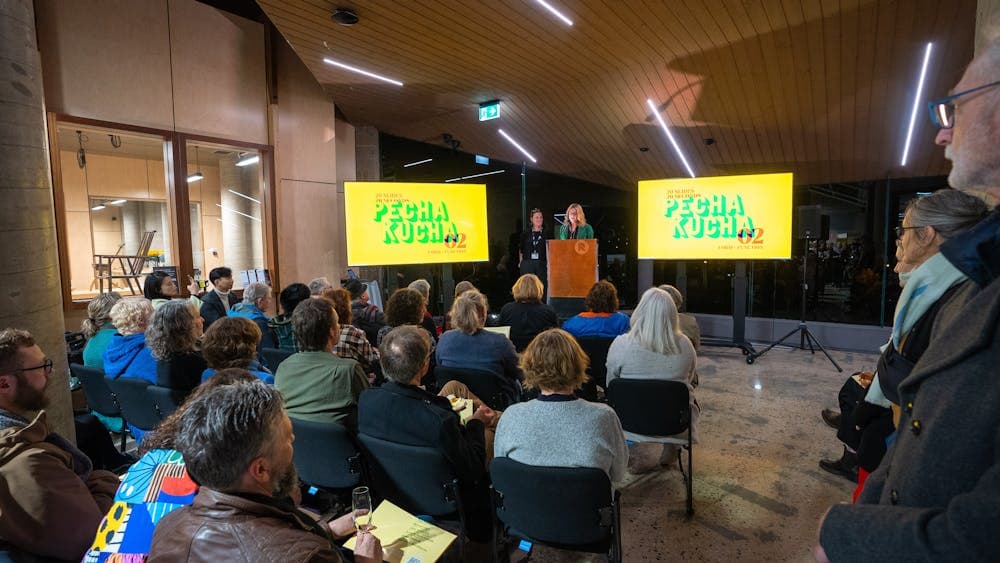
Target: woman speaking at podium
[575,226]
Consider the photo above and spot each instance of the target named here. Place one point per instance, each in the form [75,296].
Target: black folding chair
[484,384]
[417,479]
[571,508]
[656,408]
[167,400]
[100,399]
[596,348]
[326,455]
[273,357]
[133,398]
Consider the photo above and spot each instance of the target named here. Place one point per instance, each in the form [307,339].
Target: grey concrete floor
[758,491]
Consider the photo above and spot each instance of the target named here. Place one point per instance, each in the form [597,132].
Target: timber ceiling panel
[822,88]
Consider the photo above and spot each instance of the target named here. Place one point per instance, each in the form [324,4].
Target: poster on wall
[722,217]
[415,223]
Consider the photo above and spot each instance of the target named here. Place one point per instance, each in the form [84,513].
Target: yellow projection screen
[397,223]
[721,217]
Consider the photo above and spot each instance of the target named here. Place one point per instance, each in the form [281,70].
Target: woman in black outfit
[172,338]
[527,316]
[532,251]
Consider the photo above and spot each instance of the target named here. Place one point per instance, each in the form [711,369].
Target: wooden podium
[572,267]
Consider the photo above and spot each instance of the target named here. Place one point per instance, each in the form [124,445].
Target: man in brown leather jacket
[237,444]
[51,500]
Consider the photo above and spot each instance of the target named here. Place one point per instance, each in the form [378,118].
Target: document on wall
[406,538]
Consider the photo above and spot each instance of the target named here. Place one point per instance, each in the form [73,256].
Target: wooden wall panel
[74,181]
[116,177]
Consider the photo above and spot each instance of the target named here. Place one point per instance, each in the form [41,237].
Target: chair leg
[123,436]
[690,478]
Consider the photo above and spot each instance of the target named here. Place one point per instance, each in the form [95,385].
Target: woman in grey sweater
[655,348]
[559,429]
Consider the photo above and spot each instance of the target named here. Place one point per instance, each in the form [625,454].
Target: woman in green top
[99,329]
[576,226]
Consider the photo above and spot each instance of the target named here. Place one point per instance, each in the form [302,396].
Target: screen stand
[805,336]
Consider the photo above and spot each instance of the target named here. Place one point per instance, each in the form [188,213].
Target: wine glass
[361,503]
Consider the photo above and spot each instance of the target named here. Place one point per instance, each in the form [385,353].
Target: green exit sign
[489,110]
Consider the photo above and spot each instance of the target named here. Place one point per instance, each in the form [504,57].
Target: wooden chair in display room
[130,266]
[654,407]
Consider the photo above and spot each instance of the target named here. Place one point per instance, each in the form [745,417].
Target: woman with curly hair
[231,342]
[558,429]
[98,328]
[601,319]
[172,338]
[127,355]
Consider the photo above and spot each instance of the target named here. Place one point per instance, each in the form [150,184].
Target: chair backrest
[167,400]
[418,479]
[561,506]
[521,342]
[484,384]
[651,407]
[596,348]
[137,264]
[273,357]
[326,455]
[138,408]
[100,399]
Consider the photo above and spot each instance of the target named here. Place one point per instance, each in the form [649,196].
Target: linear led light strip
[555,12]
[424,161]
[515,143]
[916,103]
[670,136]
[237,212]
[332,62]
[244,196]
[476,175]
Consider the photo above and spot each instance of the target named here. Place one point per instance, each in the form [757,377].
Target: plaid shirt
[355,346]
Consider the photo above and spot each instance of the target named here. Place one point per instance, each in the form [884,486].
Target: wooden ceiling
[822,88]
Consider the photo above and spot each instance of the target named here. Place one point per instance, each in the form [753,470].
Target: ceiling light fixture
[245,196]
[117,201]
[670,136]
[476,175]
[197,176]
[97,207]
[424,161]
[916,103]
[555,12]
[515,143]
[248,159]
[361,71]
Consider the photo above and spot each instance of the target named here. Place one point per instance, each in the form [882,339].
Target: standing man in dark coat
[936,494]
[216,303]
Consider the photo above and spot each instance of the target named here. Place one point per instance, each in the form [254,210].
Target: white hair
[655,325]
[256,291]
[423,286]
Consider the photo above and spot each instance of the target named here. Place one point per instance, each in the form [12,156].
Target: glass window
[226,191]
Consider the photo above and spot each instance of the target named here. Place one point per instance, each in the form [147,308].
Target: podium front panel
[572,267]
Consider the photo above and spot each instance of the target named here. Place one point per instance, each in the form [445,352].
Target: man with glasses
[51,500]
[936,494]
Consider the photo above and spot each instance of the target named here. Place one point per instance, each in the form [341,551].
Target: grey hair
[655,325]
[99,312]
[948,211]
[171,330]
[674,293]
[131,316]
[423,286]
[256,291]
[224,429]
[318,285]
[403,352]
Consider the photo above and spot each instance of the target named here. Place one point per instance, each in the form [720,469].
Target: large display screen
[721,217]
[397,223]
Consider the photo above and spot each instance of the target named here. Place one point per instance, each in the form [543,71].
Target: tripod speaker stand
[805,336]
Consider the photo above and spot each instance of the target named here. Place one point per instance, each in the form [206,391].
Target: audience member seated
[689,324]
[654,348]
[353,344]
[401,412]
[364,315]
[281,324]
[527,316]
[232,343]
[317,385]
[243,510]
[424,287]
[601,318]
[469,346]
[317,286]
[127,355]
[99,330]
[172,338]
[159,288]
[256,301]
[558,429]
[217,303]
[405,307]
[928,282]
[51,500]
[460,288]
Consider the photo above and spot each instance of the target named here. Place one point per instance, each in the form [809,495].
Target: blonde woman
[575,226]
[98,328]
[654,348]
[527,315]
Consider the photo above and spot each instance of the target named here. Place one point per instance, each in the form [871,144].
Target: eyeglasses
[47,366]
[943,111]
[900,230]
